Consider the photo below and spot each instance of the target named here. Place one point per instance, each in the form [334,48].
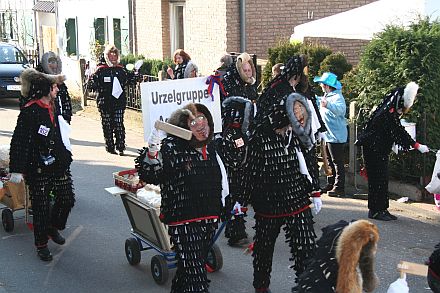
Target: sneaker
[56,236]
[380,215]
[44,253]
[336,192]
[393,217]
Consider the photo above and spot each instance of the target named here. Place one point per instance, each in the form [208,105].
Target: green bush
[393,58]
[149,67]
[320,58]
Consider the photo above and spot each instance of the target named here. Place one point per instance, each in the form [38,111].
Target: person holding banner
[377,137]
[184,67]
[109,80]
[40,157]
[190,175]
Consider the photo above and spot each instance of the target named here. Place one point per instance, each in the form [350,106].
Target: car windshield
[11,55]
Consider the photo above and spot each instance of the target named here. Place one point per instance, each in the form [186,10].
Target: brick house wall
[152,28]
[270,21]
[205,33]
[350,48]
[213,27]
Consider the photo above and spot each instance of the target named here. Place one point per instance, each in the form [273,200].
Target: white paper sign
[161,98]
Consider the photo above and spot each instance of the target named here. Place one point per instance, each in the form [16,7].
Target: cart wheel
[7,220]
[132,251]
[159,269]
[214,261]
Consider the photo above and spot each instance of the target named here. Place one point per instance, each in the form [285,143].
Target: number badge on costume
[43,130]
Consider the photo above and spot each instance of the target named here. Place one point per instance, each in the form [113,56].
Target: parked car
[12,63]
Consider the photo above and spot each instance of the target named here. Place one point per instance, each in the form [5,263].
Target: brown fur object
[30,75]
[355,253]
[242,58]
[111,48]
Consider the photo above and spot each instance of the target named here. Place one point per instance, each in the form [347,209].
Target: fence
[32,56]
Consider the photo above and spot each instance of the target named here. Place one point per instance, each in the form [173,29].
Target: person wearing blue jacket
[333,109]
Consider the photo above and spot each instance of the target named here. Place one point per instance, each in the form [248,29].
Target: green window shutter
[117,32]
[99,25]
[71,36]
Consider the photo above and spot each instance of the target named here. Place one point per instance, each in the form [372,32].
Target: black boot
[56,236]
[44,253]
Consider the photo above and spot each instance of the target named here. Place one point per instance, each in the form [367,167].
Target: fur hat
[50,57]
[180,118]
[108,49]
[35,84]
[355,253]
[189,69]
[409,94]
[242,58]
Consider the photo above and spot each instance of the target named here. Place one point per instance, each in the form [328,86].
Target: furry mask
[243,58]
[180,118]
[108,49]
[233,106]
[301,127]
[190,69]
[50,57]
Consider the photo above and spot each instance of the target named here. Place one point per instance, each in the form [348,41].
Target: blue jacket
[334,117]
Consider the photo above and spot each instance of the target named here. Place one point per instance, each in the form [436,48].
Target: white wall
[85,11]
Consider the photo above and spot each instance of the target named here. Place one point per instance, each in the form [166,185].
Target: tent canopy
[363,22]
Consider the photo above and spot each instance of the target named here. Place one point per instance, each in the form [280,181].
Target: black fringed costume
[233,146]
[342,250]
[237,114]
[37,134]
[190,179]
[112,108]
[380,132]
[279,192]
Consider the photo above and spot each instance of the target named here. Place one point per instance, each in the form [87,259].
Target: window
[100,30]
[8,25]
[117,32]
[71,36]
[177,16]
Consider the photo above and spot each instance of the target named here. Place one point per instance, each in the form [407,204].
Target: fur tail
[356,247]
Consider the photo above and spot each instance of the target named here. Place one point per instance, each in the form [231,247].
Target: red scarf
[44,106]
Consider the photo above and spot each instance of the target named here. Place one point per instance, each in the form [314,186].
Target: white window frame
[174,31]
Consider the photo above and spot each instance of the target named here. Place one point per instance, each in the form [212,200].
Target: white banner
[161,98]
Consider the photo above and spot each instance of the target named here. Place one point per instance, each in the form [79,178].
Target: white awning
[365,21]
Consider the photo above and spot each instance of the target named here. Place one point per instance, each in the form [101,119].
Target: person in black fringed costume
[344,260]
[277,176]
[51,64]
[237,113]
[189,174]
[381,130]
[38,153]
[109,80]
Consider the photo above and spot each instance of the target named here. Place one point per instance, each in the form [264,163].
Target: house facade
[17,22]
[207,29]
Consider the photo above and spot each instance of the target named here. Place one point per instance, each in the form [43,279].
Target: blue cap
[329,79]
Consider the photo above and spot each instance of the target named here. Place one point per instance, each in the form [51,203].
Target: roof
[364,22]
[44,6]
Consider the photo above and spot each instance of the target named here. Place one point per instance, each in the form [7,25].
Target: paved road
[93,258]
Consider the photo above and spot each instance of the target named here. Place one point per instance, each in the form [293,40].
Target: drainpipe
[242,25]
